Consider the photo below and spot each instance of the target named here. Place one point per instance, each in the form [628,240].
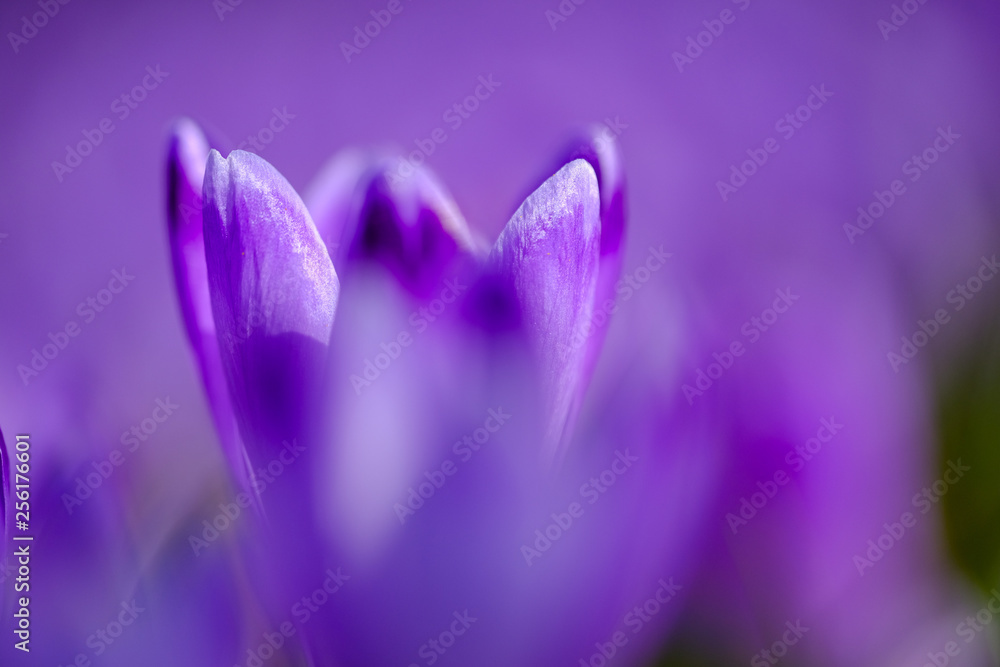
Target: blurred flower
[826,449]
[388,487]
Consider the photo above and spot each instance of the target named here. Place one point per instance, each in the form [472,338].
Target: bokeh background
[231,67]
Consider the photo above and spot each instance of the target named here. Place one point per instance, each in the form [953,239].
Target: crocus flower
[436,484]
[380,415]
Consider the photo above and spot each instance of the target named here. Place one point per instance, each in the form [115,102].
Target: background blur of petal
[233,71]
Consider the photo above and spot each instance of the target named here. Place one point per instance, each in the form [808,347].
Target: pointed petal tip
[603,144]
[332,196]
[570,197]
[423,189]
[188,151]
[599,146]
[261,245]
[403,218]
[582,173]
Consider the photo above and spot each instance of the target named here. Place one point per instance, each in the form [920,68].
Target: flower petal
[601,151]
[604,156]
[186,159]
[549,251]
[274,295]
[411,225]
[333,197]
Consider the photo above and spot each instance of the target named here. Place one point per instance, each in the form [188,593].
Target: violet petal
[368,212]
[274,295]
[186,160]
[549,251]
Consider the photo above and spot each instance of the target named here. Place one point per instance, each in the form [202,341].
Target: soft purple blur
[61,241]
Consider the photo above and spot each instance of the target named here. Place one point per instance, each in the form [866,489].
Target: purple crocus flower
[383,413]
[423,412]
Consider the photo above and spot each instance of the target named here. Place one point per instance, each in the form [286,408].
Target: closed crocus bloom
[273,290]
[436,485]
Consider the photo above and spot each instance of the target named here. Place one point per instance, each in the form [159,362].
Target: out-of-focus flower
[365,212]
[389,410]
[821,469]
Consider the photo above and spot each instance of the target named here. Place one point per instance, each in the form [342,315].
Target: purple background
[608,60]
